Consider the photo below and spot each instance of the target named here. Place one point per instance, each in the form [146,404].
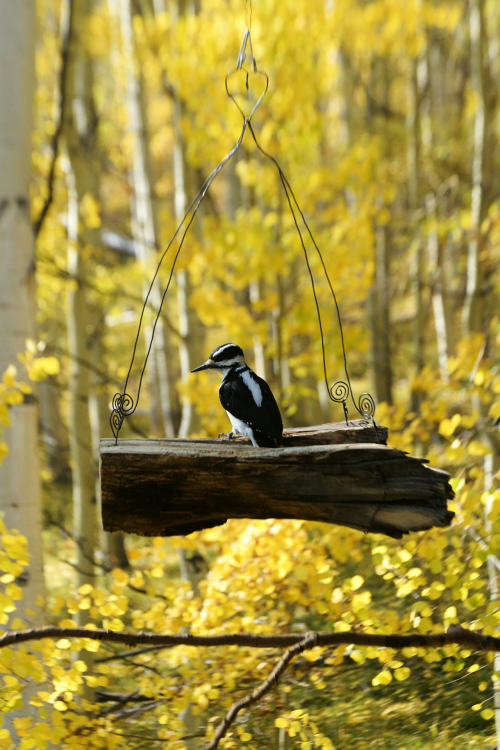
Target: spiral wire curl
[123,404]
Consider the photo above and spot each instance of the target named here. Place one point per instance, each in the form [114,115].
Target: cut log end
[175,487]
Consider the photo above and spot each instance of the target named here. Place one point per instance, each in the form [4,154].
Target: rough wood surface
[170,487]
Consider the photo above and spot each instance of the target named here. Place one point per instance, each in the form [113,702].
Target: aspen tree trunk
[84,499]
[194,569]
[437,280]
[79,132]
[143,217]
[474,312]
[191,342]
[112,543]
[472,316]
[414,139]
[54,432]
[440,303]
[19,480]
[379,303]
[380,319]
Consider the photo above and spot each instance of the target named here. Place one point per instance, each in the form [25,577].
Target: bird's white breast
[240,428]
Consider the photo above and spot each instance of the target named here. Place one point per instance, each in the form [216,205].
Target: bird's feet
[227,435]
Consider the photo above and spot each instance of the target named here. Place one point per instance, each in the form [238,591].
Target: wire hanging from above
[123,404]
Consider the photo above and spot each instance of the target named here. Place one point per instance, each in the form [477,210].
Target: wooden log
[171,487]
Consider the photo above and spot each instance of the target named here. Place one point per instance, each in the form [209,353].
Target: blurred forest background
[383,115]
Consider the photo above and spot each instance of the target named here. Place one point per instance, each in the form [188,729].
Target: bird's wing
[265,420]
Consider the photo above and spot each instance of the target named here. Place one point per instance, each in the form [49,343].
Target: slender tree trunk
[192,339]
[84,500]
[79,132]
[143,217]
[380,318]
[54,432]
[474,310]
[379,302]
[414,140]
[112,543]
[484,137]
[19,482]
[194,569]
[438,295]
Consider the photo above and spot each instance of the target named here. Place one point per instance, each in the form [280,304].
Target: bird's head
[223,358]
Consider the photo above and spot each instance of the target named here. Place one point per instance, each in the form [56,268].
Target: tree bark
[19,484]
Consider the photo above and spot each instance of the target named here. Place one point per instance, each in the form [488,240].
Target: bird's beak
[206,366]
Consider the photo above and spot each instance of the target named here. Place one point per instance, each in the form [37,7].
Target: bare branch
[120,698]
[308,642]
[454,634]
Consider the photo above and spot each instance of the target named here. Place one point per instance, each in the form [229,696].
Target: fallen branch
[454,634]
[308,642]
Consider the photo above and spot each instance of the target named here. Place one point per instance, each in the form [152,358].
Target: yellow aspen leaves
[383,678]
[478,448]
[487,714]
[448,426]
[402,673]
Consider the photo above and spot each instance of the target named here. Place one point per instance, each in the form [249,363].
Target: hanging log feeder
[334,473]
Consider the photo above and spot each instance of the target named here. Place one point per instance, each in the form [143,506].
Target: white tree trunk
[19,482]
[143,224]
[437,279]
[473,310]
[484,135]
[413,154]
[191,341]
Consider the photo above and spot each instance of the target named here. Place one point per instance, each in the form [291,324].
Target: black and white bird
[247,399]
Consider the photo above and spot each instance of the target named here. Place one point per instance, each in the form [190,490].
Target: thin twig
[122,697]
[127,713]
[90,559]
[308,642]
[484,545]
[125,654]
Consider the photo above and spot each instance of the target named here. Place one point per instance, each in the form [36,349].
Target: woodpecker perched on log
[247,399]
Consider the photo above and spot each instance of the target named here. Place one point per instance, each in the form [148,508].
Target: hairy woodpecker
[247,399]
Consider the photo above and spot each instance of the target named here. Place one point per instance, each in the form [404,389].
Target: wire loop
[366,405]
[339,391]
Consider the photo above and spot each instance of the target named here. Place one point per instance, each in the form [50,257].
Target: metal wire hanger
[123,404]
